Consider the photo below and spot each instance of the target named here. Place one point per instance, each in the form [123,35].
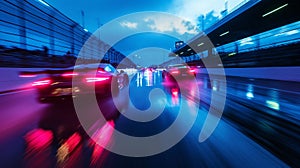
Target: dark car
[178,71]
[101,79]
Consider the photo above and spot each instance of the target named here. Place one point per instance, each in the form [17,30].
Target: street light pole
[82,15]
[99,25]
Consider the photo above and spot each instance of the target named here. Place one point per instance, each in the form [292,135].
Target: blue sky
[101,12]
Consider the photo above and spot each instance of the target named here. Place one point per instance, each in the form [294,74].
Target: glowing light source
[174,92]
[246,41]
[86,30]
[38,138]
[277,9]
[96,79]
[175,72]
[223,34]
[272,104]
[101,138]
[43,2]
[232,54]
[101,70]
[192,70]
[41,82]
[292,32]
[108,69]
[250,95]
[68,74]
[67,147]
[200,44]
[27,76]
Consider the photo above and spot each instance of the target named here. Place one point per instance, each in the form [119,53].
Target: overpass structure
[259,33]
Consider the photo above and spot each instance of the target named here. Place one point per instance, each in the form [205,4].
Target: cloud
[170,24]
[130,25]
[192,9]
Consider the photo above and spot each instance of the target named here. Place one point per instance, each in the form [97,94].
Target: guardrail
[35,25]
[34,28]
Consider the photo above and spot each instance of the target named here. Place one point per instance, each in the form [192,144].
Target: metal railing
[38,28]
[32,25]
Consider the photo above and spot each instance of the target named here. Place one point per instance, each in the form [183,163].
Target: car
[62,84]
[178,71]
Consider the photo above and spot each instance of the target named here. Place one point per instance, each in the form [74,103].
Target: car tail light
[43,82]
[69,74]
[175,72]
[96,79]
[192,70]
[27,75]
[174,92]
[101,70]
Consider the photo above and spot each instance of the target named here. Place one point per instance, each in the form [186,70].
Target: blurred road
[258,127]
